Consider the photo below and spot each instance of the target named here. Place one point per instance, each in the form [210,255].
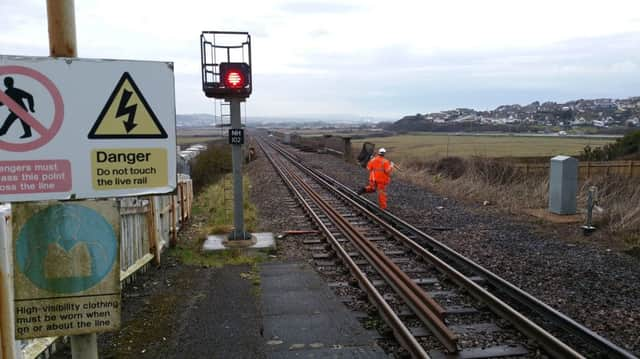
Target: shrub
[626,147]
[210,165]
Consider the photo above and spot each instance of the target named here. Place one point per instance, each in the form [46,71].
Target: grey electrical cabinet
[563,185]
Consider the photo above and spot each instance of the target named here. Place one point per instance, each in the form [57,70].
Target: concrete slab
[302,317]
[264,240]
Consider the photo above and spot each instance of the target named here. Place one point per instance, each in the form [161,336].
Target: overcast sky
[367,58]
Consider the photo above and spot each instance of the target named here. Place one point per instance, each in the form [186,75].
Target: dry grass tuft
[499,182]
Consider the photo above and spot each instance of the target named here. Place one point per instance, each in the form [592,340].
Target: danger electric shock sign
[80,128]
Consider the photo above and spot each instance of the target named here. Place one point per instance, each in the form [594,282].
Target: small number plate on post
[236,136]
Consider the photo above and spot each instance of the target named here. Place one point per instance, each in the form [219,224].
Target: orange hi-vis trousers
[382,193]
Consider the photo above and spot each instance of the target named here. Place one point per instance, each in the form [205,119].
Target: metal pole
[236,156]
[62,43]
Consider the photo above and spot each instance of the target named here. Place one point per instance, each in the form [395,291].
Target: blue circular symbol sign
[66,248]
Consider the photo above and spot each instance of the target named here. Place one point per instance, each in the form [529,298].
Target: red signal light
[234,79]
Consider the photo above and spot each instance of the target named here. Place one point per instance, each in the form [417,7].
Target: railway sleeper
[404,311]
[498,351]
[387,253]
[325,255]
[342,214]
[361,263]
[325,247]
[340,238]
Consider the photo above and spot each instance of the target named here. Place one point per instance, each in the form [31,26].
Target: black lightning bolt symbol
[123,109]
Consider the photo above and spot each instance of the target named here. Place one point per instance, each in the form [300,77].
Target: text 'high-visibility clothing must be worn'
[379,177]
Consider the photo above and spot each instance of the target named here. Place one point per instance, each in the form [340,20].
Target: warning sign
[67,270]
[14,98]
[123,168]
[35,176]
[127,115]
[62,120]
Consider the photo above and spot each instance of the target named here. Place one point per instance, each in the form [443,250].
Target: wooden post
[62,28]
[154,246]
[8,347]
[174,226]
[348,151]
[61,20]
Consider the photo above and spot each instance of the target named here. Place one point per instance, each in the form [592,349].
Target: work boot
[362,190]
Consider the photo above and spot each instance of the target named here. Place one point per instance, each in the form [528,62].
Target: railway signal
[226,75]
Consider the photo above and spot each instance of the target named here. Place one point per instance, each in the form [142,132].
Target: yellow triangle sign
[127,115]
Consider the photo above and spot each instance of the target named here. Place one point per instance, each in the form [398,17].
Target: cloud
[317,7]
[367,56]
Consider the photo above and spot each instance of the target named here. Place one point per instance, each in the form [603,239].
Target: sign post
[62,42]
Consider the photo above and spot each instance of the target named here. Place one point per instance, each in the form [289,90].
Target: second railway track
[435,302]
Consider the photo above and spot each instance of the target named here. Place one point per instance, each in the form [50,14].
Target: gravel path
[596,286]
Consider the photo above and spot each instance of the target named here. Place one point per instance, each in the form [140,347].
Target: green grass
[216,202]
[429,145]
[196,257]
[211,203]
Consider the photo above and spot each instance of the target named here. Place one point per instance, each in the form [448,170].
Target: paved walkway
[302,318]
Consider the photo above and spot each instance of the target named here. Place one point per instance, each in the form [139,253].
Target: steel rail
[414,296]
[589,337]
[551,344]
[400,330]
[528,327]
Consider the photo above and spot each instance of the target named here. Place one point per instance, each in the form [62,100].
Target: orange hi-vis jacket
[380,170]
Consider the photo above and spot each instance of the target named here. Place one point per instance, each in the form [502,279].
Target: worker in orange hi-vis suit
[380,170]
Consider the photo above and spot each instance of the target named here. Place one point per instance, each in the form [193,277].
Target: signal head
[235,79]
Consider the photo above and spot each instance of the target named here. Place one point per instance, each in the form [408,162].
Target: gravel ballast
[596,286]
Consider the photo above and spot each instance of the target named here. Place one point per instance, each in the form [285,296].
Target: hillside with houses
[595,115]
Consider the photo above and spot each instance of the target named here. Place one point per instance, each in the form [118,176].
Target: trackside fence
[588,169]
[148,225]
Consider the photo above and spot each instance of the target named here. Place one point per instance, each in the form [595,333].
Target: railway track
[435,302]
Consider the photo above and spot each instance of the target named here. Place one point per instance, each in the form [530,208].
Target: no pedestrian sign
[85,128]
